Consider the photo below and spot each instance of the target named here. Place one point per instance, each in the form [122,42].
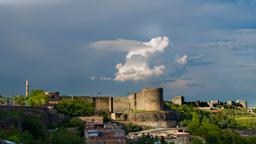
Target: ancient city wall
[150,99]
[102,104]
[132,101]
[121,104]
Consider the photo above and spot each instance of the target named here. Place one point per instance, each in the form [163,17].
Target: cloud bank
[136,66]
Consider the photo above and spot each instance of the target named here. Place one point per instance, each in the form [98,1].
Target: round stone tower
[150,99]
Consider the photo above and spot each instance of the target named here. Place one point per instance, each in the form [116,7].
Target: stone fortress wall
[149,99]
[145,108]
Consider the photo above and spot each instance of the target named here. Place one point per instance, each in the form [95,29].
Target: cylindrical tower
[154,99]
[27,88]
[150,99]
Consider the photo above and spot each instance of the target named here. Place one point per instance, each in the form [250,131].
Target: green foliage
[194,123]
[76,107]
[37,98]
[63,136]
[22,127]
[2,100]
[19,100]
[76,122]
[17,136]
[147,140]
[132,128]
[106,116]
[196,140]
[34,126]
[214,128]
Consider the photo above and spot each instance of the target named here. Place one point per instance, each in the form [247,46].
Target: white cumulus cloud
[136,66]
[182,60]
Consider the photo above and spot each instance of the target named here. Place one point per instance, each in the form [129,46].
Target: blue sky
[75,46]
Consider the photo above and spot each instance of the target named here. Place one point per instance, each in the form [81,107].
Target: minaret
[27,88]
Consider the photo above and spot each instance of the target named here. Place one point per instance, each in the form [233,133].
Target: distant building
[239,103]
[92,119]
[53,97]
[170,135]
[242,103]
[97,132]
[213,103]
[230,103]
[179,100]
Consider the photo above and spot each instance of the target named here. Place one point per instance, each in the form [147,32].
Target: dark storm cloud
[47,43]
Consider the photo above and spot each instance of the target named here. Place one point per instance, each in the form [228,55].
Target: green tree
[34,126]
[196,140]
[13,134]
[2,100]
[37,98]
[63,136]
[19,100]
[132,128]
[76,107]
[194,123]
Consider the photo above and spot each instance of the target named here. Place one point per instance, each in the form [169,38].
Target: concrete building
[97,132]
[170,135]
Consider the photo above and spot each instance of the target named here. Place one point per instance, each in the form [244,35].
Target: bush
[132,128]
[76,107]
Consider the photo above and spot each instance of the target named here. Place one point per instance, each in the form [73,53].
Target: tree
[63,136]
[37,98]
[194,123]
[132,128]
[76,107]
[17,136]
[34,126]
[19,100]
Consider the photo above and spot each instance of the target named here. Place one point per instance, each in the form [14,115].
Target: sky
[201,49]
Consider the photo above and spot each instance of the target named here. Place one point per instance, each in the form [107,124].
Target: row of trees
[75,107]
[20,127]
[35,98]
[214,134]
[213,128]
[29,128]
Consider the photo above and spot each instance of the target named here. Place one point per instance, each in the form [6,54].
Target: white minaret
[27,88]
